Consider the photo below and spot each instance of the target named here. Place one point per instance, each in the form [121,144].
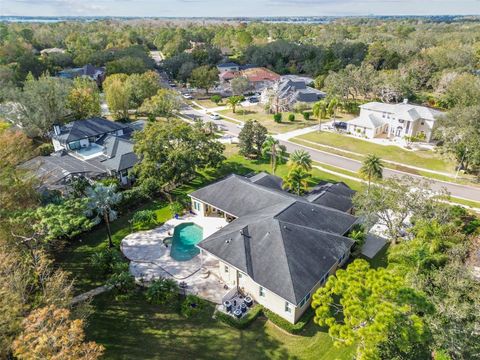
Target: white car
[187,96]
[215,117]
[240,126]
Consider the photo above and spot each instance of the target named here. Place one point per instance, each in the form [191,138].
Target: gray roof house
[288,91]
[278,247]
[92,148]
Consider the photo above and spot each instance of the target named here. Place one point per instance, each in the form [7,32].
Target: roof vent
[228,241]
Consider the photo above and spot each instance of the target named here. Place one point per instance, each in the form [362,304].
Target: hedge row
[287,326]
[243,322]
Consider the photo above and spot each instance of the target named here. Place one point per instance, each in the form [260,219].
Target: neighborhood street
[455,190]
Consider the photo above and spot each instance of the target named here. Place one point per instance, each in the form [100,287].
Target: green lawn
[425,159]
[134,329]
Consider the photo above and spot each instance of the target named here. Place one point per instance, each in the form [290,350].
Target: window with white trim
[226,268]
[261,291]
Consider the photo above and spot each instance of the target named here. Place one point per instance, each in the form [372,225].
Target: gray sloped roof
[267,180]
[238,196]
[82,129]
[284,257]
[119,152]
[283,242]
[337,196]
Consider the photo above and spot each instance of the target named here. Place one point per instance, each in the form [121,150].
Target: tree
[372,168]
[392,202]
[173,151]
[84,99]
[234,101]
[296,180]
[142,87]
[462,91]
[251,139]
[165,103]
[162,292]
[366,307]
[217,99]
[319,110]
[117,95]
[204,77]
[127,65]
[101,200]
[277,152]
[239,85]
[300,159]
[49,333]
[332,108]
[40,105]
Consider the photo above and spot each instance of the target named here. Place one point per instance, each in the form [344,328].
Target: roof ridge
[288,263]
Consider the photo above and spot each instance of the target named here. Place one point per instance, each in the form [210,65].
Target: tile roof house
[394,121]
[92,148]
[278,247]
[259,77]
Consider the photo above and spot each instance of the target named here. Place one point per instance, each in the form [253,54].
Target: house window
[261,291]
[226,268]
[240,275]
[422,123]
[288,308]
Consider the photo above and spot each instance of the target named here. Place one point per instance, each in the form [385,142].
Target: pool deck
[150,258]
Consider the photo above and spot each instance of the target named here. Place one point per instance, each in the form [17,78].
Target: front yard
[424,159]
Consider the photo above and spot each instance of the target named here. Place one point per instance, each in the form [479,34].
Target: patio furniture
[248,301]
[237,313]
[228,305]
[243,307]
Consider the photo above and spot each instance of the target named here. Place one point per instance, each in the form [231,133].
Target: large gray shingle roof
[283,242]
[82,129]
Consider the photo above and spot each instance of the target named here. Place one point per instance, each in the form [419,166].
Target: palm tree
[332,108]
[372,168]
[101,199]
[296,180]
[301,159]
[319,110]
[276,151]
[234,101]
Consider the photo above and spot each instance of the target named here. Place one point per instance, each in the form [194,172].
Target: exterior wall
[354,129]
[198,207]
[222,70]
[83,143]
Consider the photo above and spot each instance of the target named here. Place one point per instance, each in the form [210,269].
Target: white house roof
[404,111]
[369,121]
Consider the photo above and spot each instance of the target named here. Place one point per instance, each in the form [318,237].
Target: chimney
[405,101]
[56,129]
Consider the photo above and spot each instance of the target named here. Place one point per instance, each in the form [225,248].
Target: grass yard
[135,329]
[208,103]
[425,159]
[257,113]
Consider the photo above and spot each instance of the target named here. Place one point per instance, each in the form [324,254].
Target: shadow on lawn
[135,329]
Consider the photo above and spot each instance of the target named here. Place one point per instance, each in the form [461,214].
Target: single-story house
[278,248]
[229,66]
[92,148]
[394,121]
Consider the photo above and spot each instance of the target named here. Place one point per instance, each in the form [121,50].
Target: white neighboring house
[229,66]
[394,121]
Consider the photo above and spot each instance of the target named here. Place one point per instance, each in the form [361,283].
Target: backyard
[164,332]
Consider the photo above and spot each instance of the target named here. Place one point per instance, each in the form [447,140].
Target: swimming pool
[185,237]
[91,151]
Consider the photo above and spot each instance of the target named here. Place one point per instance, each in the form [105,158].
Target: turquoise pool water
[185,237]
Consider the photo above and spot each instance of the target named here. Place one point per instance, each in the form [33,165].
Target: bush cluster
[287,326]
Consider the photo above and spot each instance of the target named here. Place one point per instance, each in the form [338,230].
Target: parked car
[253,99]
[187,96]
[340,125]
[215,116]
[172,84]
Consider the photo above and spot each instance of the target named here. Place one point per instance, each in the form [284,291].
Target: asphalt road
[455,190]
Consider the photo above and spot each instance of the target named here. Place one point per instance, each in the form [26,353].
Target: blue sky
[236,8]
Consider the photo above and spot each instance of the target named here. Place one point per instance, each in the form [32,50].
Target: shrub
[45,149]
[132,198]
[110,181]
[144,219]
[306,115]
[300,107]
[192,305]
[162,291]
[122,284]
[217,99]
[287,326]
[291,117]
[176,207]
[106,261]
[243,322]
[277,117]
